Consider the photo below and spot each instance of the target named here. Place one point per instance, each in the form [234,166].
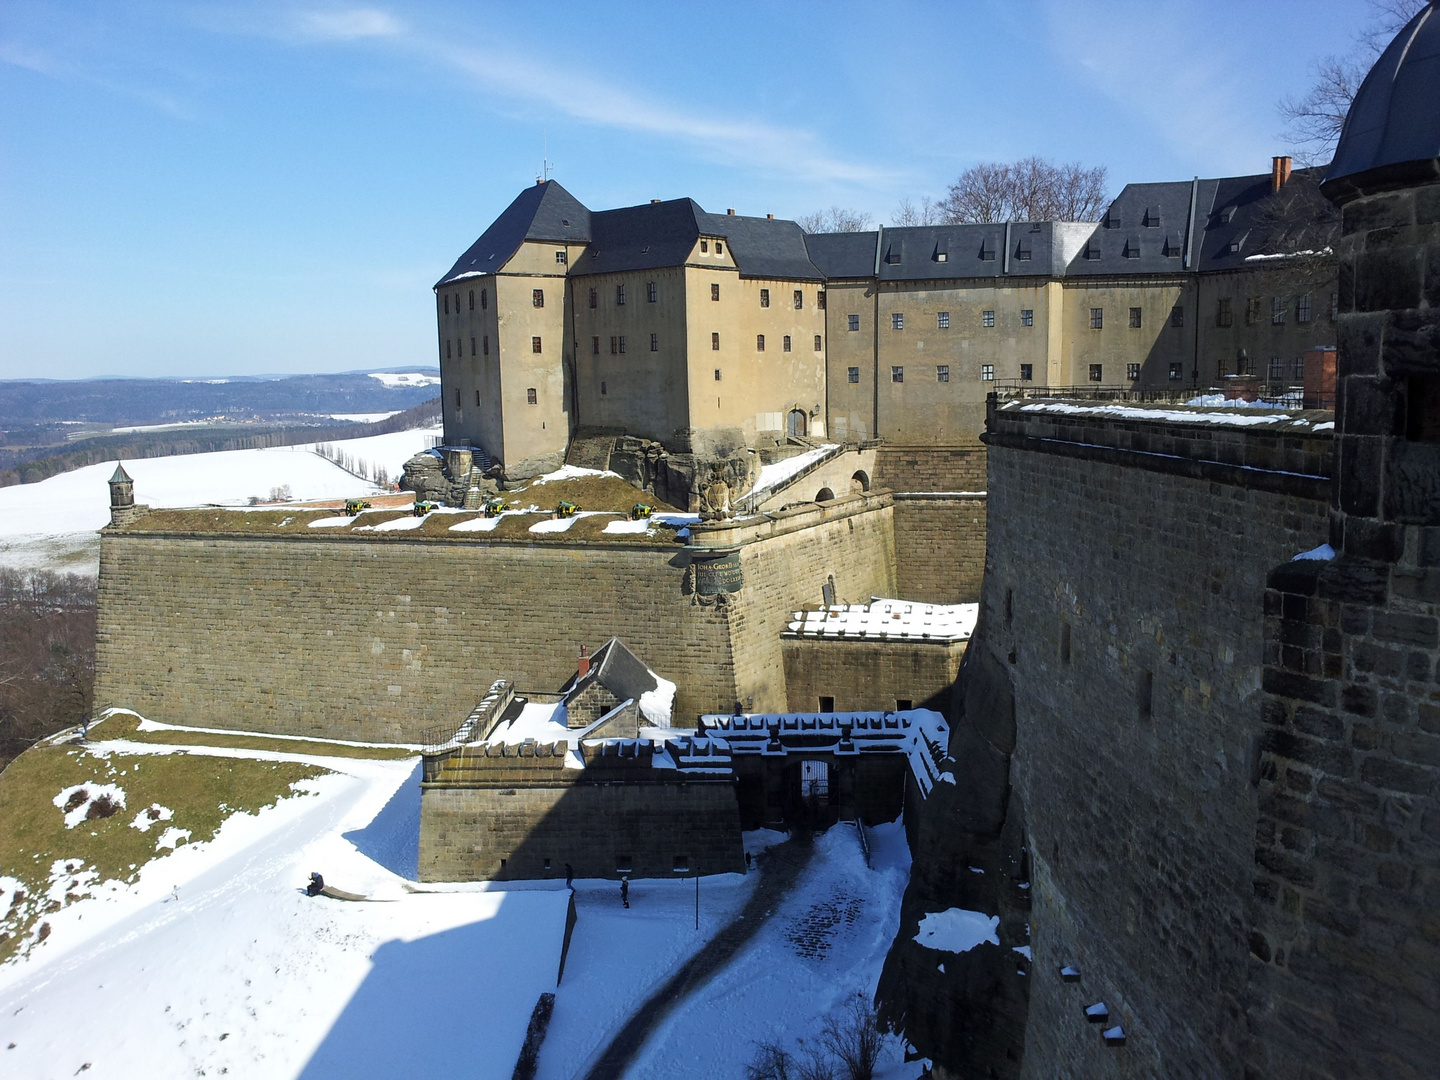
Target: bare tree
[1032,189]
[1314,119]
[836,219]
[926,212]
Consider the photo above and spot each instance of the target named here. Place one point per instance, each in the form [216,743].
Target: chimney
[1279,172]
[769,217]
[654,201]
[731,211]
[584,668]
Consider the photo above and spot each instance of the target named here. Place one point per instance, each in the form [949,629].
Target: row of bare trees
[47,655]
[356,466]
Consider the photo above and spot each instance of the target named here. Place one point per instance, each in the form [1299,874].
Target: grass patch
[125,725]
[199,792]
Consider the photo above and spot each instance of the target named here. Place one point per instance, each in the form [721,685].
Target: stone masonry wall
[1127,597]
[940,547]
[466,832]
[395,639]
[868,675]
[930,468]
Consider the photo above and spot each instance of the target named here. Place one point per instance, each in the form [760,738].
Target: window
[619,295]
[1096,374]
[897,374]
[477,397]
[681,864]
[457,398]
[1097,318]
[1177,316]
[1132,371]
[814,779]
[537,297]
[719,248]
[445,300]
[819,343]
[715,291]
[987,372]
[484,299]
[704,247]
[622,344]
[1252,311]
[1278,310]
[447,348]
[827,703]
[534,344]
[759,342]
[1334,306]
[820,299]
[852,374]
[715,342]
[897,320]
[1277,369]
[1027,316]
[472,346]
[764,297]
[987,317]
[654,342]
[904,703]
[1297,374]
[1136,314]
[785,343]
[485,344]
[472,299]
[853,322]
[1177,372]
[942,372]
[1027,372]
[1022,250]
[624,864]
[1302,309]
[531,398]
[651,292]
[614,345]
[717,374]
[942,320]
[594,298]
[942,256]
[561,258]
[1145,695]
[1222,312]
[799,300]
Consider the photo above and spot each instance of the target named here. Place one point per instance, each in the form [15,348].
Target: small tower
[122,498]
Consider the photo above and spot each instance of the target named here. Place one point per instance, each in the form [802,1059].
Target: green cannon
[423,508]
[566,509]
[495,507]
[640,511]
[354,506]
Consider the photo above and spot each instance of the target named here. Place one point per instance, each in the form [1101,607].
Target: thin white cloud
[350,25]
[738,142]
[21,55]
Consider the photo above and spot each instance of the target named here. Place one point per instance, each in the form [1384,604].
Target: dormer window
[987,250]
[1092,250]
[1113,219]
[1173,247]
[704,247]
[896,252]
[942,256]
[1132,247]
[1237,243]
[1022,251]
[719,248]
[1152,217]
[1226,214]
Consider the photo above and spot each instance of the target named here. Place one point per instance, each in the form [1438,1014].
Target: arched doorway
[824,495]
[859,483]
[797,422]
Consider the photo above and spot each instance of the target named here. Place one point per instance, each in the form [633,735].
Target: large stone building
[707,332]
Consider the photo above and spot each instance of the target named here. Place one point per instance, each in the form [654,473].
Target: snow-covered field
[54,524]
[215,962]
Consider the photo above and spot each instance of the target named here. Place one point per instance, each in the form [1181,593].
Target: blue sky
[213,189]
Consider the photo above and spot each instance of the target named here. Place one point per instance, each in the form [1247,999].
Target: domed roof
[1391,136]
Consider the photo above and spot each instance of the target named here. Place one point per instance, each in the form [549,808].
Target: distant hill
[26,403]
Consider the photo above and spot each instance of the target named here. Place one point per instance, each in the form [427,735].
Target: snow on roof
[545,722]
[1141,412]
[886,618]
[773,476]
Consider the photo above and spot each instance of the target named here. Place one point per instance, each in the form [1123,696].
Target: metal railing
[1280,395]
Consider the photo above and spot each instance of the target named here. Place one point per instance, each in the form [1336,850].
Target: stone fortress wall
[1124,596]
[391,639]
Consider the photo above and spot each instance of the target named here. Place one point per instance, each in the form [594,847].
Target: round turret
[122,489]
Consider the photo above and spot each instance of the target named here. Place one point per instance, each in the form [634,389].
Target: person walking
[569,877]
[625,891]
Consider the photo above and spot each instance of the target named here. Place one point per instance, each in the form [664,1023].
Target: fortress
[1194,730]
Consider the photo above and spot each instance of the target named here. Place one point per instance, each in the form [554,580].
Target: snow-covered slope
[54,523]
[216,962]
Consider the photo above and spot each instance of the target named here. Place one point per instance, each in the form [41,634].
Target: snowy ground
[53,524]
[216,962]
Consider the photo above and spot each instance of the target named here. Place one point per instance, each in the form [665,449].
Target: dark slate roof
[542,212]
[764,247]
[642,237]
[1144,231]
[1243,218]
[843,255]
[618,670]
[1392,133]
[943,252]
[120,476]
